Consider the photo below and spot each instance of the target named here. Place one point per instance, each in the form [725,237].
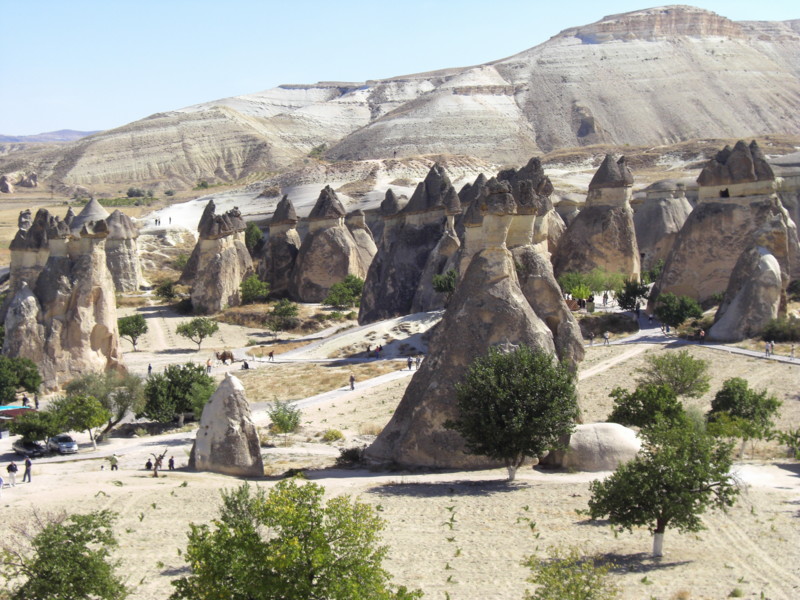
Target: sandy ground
[754,547]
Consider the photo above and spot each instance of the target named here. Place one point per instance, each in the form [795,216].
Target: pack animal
[225,356]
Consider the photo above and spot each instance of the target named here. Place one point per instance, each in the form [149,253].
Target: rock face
[412,249]
[281,249]
[487,309]
[227,439]
[62,314]
[659,219]
[596,447]
[6,187]
[122,252]
[329,252]
[25,220]
[223,260]
[755,295]
[602,235]
[737,207]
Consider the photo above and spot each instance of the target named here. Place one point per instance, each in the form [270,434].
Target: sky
[97,64]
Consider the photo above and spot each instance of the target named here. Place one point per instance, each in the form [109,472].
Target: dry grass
[132,301]
[277,348]
[295,381]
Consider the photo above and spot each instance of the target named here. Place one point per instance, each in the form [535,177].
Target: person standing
[591,338]
[352,381]
[410,362]
[36,401]
[702,335]
[26,476]
[417,362]
[171,463]
[606,336]
[114,462]
[271,356]
[208,367]
[149,369]
[766,348]
[12,473]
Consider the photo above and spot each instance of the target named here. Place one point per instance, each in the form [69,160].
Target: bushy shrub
[350,457]
[283,315]
[253,290]
[346,293]
[782,329]
[332,435]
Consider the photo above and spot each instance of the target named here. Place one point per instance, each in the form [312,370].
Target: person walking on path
[171,463]
[271,356]
[149,370]
[12,473]
[114,462]
[26,476]
[208,367]
[591,338]
[766,348]
[417,362]
[352,381]
[410,361]
[702,335]
[606,335]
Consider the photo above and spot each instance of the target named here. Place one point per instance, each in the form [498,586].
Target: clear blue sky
[98,64]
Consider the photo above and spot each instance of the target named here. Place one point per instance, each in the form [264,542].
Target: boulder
[6,187]
[280,251]
[596,447]
[122,252]
[28,180]
[329,252]
[222,261]
[602,235]
[24,221]
[755,295]
[227,439]
[488,309]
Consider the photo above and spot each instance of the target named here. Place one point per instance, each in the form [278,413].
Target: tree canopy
[645,405]
[680,473]
[631,293]
[178,390]
[345,293]
[673,310]
[253,290]
[515,405]
[252,236]
[37,425]
[198,329]
[118,393]
[132,328]
[445,284]
[742,412]
[17,374]
[67,559]
[686,375]
[312,550]
[80,412]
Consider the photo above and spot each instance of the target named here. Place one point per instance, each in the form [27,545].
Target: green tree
[600,280]
[346,293]
[68,558]
[165,291]
[134,192]
[178,390]
[749,412]
[283,315]
[288,545]
[285,417]
[81,413]
[252,236]
[645,405]
[17,374]
[446,284]
[581,291]
[37,425]
[630,293]
[254,290]
[515,405]
[652,274]
[674,310]
[686,375]
[197,329]
[566,575]
[569,280]
[679,473]
[119,393]
[132,327]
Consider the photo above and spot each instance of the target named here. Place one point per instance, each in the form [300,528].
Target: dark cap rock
[430,193]
[213,226]
[284,213]
[35,237]
[328,206]
[612,174]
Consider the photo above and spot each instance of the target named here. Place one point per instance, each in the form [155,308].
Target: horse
[225,355]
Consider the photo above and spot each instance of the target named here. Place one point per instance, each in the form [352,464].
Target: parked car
[26,448]
[63,444]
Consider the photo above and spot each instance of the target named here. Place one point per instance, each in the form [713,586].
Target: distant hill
[63,135]
[650,77]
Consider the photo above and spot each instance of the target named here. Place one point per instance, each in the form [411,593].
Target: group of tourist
[12,469]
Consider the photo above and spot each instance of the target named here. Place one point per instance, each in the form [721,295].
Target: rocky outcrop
[737,209]
[488,309]
[602,235]
[395,277]
[227,439]
[93,211]
[365,243]
[755,295]
[122,252]
[62,314]
[6,187]
[25,220]
[281,249]
[596,447]
[659,219]
[223,260]
[329,252]
[28,180]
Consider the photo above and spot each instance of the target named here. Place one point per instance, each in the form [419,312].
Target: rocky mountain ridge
[654,76]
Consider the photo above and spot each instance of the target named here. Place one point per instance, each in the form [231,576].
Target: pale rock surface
[6,187]
[122,252]
[756,292]
[659,219]
[365,243]
[281,249]
[222,262]
[329,252]
[487,309]
[227,439]
[602,235]
[596,447]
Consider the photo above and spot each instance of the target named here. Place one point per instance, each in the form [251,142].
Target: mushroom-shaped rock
[122,252]
[93,211]
[596,447]
[284,213]
[612,174]
[280,252]
[227,439]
